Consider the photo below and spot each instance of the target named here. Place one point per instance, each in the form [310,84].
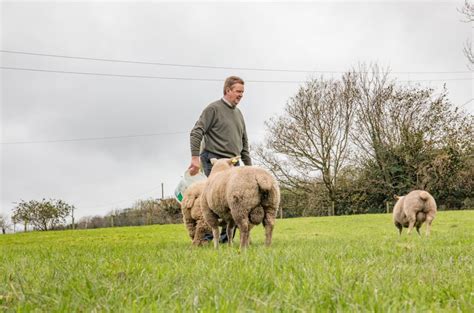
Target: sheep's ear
[213,161]
[396,197]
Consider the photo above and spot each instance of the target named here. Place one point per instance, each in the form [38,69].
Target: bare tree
[468,11]
[387,117]
[372,134]
[4,223]
[409,135]
[310,141]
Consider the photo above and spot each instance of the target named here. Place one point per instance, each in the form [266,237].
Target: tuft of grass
[347,263]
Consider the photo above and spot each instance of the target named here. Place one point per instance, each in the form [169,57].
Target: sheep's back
[419,201]
[247,185]
[191,194]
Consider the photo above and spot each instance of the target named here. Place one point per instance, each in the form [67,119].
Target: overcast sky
[112,173]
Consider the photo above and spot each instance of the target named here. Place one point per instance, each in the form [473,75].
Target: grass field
[347,263]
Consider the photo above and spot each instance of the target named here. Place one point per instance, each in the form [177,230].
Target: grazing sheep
[242,196]
[192,213]
[413,210]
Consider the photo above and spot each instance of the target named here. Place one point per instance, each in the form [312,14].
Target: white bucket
[185,182]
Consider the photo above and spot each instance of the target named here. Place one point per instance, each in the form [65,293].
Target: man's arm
[195,165]
[245,149]
[200,128]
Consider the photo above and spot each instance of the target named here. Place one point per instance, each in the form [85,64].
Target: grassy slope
[348,263]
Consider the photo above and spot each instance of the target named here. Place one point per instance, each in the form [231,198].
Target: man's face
[235,93]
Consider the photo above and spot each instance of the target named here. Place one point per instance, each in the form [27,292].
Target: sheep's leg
[212,220]
[410,227]
[268,223]
[429,220]
[215,234]
[420,219]
[230,232]
[244,234]
[200,232]
[400,227]
[243,224]
[411,222]
[190,224]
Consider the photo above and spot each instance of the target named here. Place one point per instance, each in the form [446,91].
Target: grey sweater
[223,130]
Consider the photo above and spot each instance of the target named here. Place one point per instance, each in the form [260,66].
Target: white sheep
[413,210]
[192,213]
[242,196]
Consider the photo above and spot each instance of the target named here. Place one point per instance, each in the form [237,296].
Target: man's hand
[195,165]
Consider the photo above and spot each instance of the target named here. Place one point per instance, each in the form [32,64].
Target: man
[221,130]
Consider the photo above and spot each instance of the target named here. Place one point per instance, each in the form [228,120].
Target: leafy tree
[43,215]
[22,214]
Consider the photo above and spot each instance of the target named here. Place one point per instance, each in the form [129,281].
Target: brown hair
[231,81]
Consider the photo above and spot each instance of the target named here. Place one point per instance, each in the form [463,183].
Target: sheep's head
[219,165]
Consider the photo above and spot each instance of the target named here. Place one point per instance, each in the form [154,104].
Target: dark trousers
[206,157]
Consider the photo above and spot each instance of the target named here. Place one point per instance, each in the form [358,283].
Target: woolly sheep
[240,196]
[413,210]
[192,213]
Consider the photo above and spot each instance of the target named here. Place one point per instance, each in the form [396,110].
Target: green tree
[42,215]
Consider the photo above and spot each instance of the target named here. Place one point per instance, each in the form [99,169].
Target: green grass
[348,263]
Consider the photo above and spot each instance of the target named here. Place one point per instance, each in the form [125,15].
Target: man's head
[233,89]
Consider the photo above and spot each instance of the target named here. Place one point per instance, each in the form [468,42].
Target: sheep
[192,213]
[413,210]
[242,196]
